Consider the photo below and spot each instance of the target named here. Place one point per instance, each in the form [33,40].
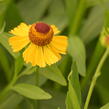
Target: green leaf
[73,100]
[105,106]
[74,78]
[89,32]
[31,91]
[77,50]
[41,80]
[27,71]
[18,64]
[65,64]
[4,42]
[14,99]
[33,10]
[2,28]
[53,73]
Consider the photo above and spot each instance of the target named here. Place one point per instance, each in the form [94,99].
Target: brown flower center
[40,34]
[42,27]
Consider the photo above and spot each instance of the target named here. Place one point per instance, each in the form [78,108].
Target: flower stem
[95,77]
[36,103]
[98,53]
[8,87]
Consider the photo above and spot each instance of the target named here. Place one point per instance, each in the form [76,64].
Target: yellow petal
[34,55]
[55,29]
[18,42]
[49,55]
[60,43]
[40,58]
[56,52]
[21,30]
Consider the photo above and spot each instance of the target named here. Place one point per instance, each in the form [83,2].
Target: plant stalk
[95,77]
[8,87]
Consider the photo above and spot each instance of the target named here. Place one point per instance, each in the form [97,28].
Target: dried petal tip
[105,41]
[42,27]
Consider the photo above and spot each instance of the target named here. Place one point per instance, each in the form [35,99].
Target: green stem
[79,14]
[98,53]
[36,103]
[8,87]
[37,77]
[95,77]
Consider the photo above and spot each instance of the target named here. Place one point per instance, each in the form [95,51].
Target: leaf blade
[53,73]
[106,106]
[77,50]
[73,99]
[31,91]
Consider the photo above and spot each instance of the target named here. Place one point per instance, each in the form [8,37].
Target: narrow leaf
[27,71]
[105,106]
[31,91]
[4,41]
[53,73]
[18,64]
[73,100]
[77,50]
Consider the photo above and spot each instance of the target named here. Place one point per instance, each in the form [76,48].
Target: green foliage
[54,74]
[77,51]
[105,106]
[4,43]
[30,91]
[73,100]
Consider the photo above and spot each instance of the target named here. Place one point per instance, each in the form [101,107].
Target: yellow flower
[43,47]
